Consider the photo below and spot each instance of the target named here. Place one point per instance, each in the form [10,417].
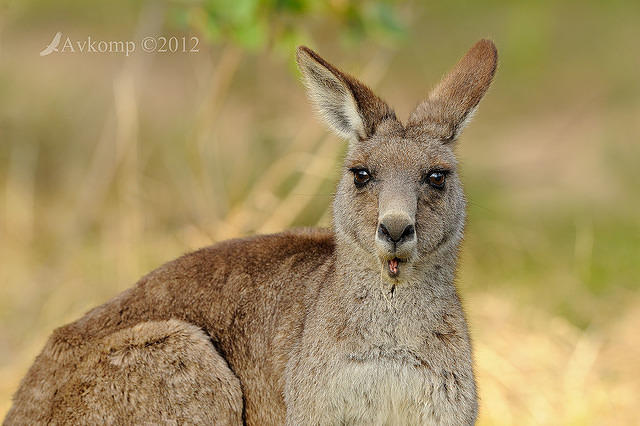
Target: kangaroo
[359,324]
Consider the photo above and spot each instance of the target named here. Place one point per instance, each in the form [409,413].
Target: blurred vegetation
[284,24]
[110,166]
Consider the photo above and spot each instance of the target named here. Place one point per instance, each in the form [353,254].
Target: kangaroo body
[360,324]
[381,369]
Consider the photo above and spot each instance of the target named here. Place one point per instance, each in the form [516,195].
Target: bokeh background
[112,165]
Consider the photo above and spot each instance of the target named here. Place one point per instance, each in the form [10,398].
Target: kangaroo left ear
[349,107]
[450,105]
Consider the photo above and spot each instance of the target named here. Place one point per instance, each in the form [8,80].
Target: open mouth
[393,267]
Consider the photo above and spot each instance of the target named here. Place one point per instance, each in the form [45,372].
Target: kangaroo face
[399,200]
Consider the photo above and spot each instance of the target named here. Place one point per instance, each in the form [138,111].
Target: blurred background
[111,165]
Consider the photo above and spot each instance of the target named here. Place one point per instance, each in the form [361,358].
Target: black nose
[395,230]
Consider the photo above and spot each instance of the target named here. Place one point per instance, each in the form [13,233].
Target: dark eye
[436,179]
[361,177]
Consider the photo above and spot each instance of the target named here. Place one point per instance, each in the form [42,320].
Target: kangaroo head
[399,201]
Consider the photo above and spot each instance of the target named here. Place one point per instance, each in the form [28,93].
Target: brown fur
[451,102]
[302,327]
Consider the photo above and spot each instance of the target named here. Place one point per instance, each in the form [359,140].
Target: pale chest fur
[392,392]
[375,366]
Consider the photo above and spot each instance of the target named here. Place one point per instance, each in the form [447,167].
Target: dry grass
[534,368]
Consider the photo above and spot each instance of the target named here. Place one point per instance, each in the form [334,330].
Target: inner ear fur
[450,105]
[349,107]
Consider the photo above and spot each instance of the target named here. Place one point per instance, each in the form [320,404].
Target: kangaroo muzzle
[396,228]
[396,235]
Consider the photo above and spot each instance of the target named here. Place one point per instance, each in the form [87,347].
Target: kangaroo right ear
[349,107]
[451,103]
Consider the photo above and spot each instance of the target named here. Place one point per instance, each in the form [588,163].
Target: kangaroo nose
[396,228]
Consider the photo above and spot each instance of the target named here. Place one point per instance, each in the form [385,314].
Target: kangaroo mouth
[393,267]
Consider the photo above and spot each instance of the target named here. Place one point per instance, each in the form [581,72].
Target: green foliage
[281,24]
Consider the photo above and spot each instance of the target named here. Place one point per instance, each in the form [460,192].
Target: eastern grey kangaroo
[357,324]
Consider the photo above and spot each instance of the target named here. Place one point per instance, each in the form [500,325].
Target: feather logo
[53,46]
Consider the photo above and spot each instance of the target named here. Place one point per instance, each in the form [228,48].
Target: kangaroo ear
[451,103]
[349,107]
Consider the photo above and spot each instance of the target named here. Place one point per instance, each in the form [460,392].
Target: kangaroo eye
[436,179]
[361,177]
